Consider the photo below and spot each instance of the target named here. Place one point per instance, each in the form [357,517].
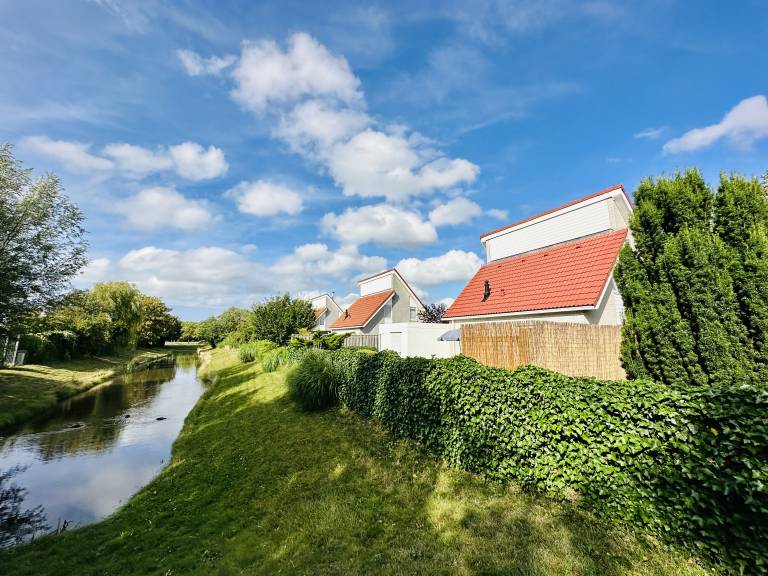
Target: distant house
[326,311]
[385,298]
[555,266]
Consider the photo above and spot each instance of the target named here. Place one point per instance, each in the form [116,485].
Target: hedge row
[688,464]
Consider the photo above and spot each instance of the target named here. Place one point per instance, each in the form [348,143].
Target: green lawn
[29,390]
[257,487]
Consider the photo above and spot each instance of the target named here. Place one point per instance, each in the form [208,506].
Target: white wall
[417,339]
[376,285]
[582,221]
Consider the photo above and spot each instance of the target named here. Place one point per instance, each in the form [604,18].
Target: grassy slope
[256,487]
[29,390]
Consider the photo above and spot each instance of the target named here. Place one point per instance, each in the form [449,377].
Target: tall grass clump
[314,382]
[252,351]
[274,359]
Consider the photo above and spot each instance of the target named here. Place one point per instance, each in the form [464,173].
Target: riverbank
[26,391]
[257,487]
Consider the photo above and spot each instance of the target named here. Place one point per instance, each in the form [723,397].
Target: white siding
[417,339]
[376,285]
[576,223]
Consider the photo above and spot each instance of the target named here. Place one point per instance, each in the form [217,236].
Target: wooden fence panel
[573,349]
[367,340]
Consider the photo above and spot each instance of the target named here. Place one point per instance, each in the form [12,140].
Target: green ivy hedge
[688,464]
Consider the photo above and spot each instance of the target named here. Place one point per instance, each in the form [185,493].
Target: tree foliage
[158,325]
[278,318]
[695,285]
[432,313]
[42,243]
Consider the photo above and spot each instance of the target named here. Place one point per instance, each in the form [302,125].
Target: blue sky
[226,151]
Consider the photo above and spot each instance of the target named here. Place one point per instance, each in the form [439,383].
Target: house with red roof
[326,311]
[385,298]
[556,266]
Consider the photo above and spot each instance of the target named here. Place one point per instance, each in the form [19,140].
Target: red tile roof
[589,197]
[362,310]
[568,275]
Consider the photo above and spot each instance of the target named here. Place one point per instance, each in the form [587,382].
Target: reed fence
[366,340]
[573,349]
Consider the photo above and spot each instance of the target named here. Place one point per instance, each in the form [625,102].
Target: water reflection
[94,451]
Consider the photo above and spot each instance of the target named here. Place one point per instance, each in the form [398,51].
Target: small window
[388,313]
[414,314]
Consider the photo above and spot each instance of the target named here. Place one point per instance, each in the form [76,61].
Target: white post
[5,347]
[15,351]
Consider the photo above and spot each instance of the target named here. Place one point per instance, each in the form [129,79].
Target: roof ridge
[566,205]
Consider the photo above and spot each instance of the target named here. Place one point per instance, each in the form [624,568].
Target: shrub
[49,346]
[687,463]
[313,382]
[278,318]
[274,359]
[253,351]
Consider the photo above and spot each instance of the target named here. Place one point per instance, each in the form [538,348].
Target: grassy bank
[26,391]
[257,487]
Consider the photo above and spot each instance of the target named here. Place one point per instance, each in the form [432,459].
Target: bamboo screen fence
[573,349]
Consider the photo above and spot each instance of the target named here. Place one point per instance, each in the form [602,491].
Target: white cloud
[207,276]
[188,159]
[160,207]
[382,224]
[650,133]
[136,161]
[263,198]
[744,124]
[194,162]
[453,266]
[446,301]
[373,164]
[196,65]
[312,127]
[319,109]
[456,211]
[498,214]
[315,260]
[95,271]
[76,156]
[267,74]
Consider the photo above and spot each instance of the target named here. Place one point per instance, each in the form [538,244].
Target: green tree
[278,318]
[158,325]
[694,310]
[42,243]
[190,332]
[432,313]
[80,313]
[122,301]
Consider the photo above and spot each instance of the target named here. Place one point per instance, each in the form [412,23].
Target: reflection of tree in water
[186,359]
[102,411]
[17,525]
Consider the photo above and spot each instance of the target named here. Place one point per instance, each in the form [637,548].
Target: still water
[84,460]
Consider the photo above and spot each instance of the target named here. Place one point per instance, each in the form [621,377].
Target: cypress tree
[695,283]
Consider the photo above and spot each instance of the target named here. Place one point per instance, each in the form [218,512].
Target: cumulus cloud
[497,213]
[453,266]
[196,65]
[161,207]
[74,155]
[216,276]
[264,198]
[267,74]
[382,224]
[456,211]
[374,163]
[194,162]
[188,159]
[742,125]
[318,108]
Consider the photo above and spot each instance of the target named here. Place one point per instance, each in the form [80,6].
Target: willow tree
[694,284]
[42,243]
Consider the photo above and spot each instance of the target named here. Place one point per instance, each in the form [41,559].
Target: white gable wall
[377,284]
[609,211]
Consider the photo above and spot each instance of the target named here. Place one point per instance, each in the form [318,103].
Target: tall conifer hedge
[695,285]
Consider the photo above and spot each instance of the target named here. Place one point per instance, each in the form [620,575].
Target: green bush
[274,359]
[688,463]
[313,382]
[321,340]
[49,346]
[253,351]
